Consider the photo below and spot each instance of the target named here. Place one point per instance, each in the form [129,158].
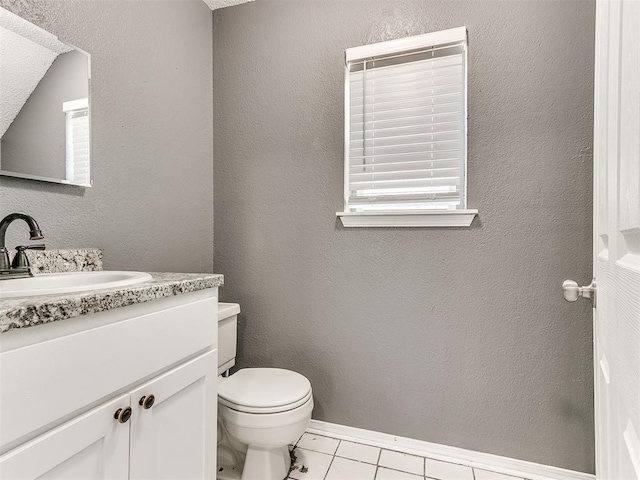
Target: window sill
[442,218]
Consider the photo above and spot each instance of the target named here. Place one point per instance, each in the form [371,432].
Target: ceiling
[215,4]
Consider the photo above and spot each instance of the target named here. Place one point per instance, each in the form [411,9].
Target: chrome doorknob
[572,291]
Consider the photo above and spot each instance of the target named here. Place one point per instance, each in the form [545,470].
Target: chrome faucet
[20,266]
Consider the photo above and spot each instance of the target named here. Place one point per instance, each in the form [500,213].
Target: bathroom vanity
[111,383]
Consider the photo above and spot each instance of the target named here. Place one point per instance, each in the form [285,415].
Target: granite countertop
[23,312]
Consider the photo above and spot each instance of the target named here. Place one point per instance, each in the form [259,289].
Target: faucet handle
[5,264]
[21,260]
[39,246]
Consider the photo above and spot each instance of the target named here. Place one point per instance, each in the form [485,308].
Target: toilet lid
[264,390]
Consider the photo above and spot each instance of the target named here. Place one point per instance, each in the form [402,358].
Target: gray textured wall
[455,336]
[151,207]
[35,143]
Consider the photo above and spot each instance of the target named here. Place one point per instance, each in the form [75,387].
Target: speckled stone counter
[77,260]
[23,312]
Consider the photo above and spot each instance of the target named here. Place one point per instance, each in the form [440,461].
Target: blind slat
[434,61]
[424,176]
[375,111]
[452,182]
[406,166]
[420,97]
[426,112]
[405,122]
[406,157]
[357,86]
[410,139]
[404,130]
[410,148]
[420,90]
[434,67]
[406,197]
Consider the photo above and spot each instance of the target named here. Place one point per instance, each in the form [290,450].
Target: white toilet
[260,411]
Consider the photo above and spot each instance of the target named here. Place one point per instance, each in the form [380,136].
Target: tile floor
[324,458]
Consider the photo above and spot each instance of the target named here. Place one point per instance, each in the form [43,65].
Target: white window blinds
[405,143]
[78,162]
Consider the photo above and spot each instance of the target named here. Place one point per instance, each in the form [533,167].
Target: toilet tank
[227,335]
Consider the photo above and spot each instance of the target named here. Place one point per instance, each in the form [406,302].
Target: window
[405,132]
[77,131]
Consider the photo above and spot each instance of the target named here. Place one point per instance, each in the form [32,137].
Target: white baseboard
[487,461]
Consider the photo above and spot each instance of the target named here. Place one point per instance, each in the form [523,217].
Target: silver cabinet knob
[572,291]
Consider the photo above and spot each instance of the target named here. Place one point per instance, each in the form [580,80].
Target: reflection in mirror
[44,105]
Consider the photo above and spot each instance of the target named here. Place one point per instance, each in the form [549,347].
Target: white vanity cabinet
[91,446]
[62,384]
[176,437]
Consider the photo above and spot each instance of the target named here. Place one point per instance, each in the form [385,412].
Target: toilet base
[266,462]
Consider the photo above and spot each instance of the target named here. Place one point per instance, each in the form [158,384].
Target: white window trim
[75,105]
[69,108]
[404,218]
[406,44]
[435,218]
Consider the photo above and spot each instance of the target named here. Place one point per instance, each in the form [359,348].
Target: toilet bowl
[260,412]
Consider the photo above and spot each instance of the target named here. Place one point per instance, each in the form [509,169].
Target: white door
[616,239]
[174,436]
[92,446]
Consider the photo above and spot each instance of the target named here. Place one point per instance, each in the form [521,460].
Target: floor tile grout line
[328,469]
[337,447]
[401,471]
[356,460]
[333,457]
[367,444]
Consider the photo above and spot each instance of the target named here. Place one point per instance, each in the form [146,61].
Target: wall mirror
[45,113]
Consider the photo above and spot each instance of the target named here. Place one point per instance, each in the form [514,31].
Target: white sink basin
[73,282]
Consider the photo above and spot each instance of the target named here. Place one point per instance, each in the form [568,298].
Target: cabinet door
[91,446]
[176,437]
